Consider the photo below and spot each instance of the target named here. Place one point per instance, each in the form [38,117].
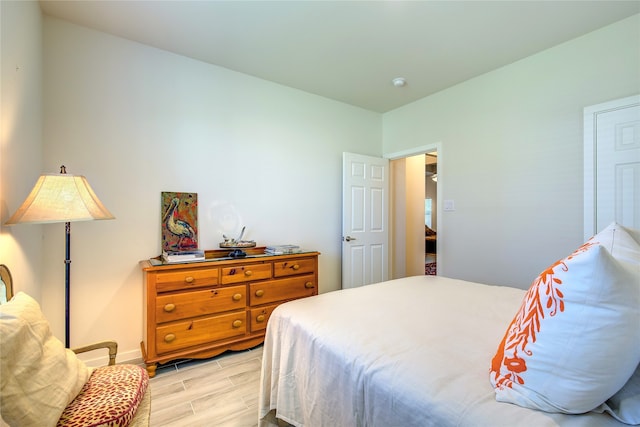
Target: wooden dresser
[199,310]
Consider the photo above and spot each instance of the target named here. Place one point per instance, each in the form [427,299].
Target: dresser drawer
[190,333]
[244,273]
[282,289]
[294,266]
[170,307]
[260,317]
[186,279]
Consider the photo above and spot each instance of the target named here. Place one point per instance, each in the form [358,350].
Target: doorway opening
[414,204]
[430,212]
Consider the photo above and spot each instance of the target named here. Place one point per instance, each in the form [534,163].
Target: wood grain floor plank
[221,391]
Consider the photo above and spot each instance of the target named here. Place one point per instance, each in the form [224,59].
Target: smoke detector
[399,82]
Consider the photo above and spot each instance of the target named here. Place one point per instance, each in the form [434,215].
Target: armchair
[44,384]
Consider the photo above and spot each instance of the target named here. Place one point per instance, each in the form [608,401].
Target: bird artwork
[179,221]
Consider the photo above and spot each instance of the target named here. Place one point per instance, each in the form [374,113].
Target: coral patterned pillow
[575,340]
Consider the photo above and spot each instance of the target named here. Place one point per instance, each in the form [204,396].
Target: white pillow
[575,340]
[633,232]
[625,404]
[38,376]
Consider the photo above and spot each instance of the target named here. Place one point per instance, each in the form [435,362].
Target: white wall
[512,153]
[414,218]
[397,217]
[20,137]
[137,121]
[407,216]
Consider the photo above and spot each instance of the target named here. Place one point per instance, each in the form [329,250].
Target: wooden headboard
[7,281]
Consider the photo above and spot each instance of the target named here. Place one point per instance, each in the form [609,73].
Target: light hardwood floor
[221,391]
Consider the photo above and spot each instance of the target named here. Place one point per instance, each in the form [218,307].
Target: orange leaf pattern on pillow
[543,297]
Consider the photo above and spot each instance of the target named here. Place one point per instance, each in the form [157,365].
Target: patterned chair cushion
[110,398]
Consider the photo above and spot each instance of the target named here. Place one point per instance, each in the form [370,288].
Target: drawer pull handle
[308,285]
[169,307]
[236,323]
[169,338]
[260,318]
[259,292]
[248,273]
[296,267]
[188,279]
[237,297]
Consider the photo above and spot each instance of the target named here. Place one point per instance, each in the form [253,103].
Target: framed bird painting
[179,221]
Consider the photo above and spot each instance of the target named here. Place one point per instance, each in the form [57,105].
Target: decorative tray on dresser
[202,309]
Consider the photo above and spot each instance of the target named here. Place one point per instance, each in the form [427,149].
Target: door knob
[349,238]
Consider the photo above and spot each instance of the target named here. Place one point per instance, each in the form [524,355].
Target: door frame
[590,159]
[423,149]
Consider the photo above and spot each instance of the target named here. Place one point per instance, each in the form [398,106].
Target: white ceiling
[350,50]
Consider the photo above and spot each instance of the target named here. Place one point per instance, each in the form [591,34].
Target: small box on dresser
[202,309]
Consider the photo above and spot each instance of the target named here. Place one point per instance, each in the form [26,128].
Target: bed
[407,352]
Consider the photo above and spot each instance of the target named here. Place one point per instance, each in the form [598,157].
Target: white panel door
[365,220]
[612,164]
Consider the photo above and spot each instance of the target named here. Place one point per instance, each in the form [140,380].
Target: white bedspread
[408,352]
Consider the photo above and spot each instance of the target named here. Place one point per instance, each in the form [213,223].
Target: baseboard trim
[133,357]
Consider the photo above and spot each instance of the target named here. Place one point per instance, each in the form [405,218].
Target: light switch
[448,205]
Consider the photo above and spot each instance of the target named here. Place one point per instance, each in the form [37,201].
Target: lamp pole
[67,279]
[67,273]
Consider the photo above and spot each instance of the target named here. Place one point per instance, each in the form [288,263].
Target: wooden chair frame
[5,275]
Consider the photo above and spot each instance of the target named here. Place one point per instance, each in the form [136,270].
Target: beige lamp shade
[60,198]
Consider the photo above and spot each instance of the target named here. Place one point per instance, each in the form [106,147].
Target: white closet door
[612,164]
